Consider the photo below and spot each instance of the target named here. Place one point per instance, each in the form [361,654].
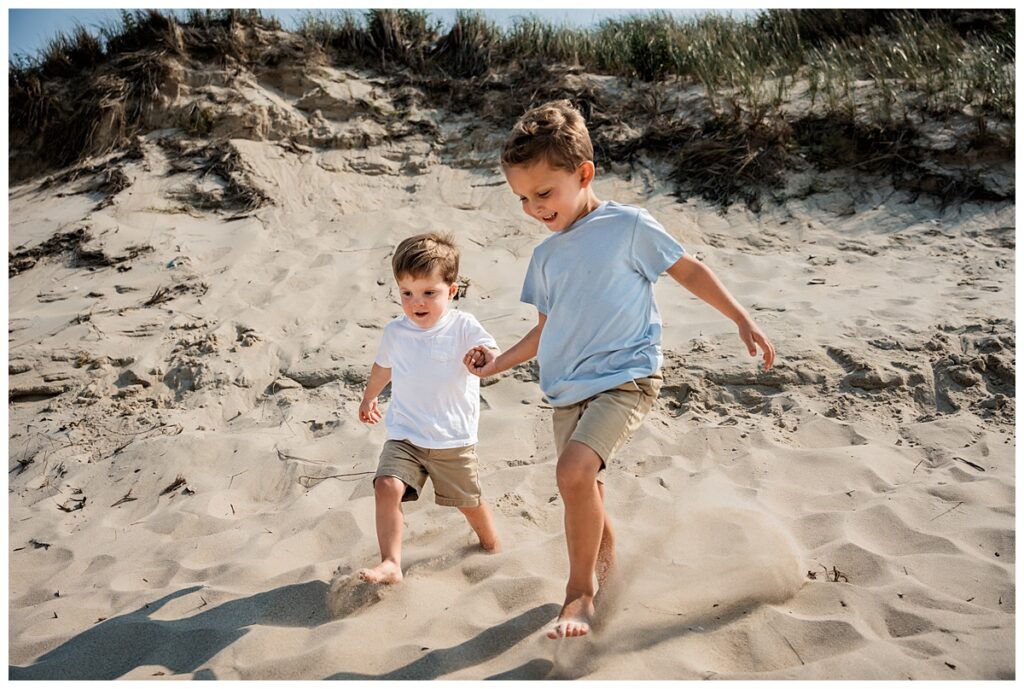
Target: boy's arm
[485,362]
[375,384]
[698,279]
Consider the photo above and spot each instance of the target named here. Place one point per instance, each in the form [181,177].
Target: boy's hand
[368,412]
[752,337]
[480,361]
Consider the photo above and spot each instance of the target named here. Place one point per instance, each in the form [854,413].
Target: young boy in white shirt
[435,403]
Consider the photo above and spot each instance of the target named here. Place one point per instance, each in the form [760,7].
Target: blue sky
[29,30]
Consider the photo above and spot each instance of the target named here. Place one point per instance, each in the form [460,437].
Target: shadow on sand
[120,644]
[488,644]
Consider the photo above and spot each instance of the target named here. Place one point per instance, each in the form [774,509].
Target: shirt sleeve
[654,250]
[474,334]
[383,357]
[534,290]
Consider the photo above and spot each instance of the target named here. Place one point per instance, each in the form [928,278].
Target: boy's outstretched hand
[752,337]
[480,361]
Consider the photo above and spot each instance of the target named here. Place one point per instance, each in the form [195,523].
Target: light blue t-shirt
[594,282]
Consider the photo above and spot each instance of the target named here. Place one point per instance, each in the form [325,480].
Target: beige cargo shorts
[453,471]
[603,422]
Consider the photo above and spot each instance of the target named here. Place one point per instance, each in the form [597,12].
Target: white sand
[737,504]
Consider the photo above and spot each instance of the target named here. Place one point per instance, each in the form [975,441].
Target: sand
[847,515]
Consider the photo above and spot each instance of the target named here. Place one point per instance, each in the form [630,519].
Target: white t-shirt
[435,401]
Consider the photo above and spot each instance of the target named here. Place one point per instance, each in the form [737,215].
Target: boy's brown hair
[421,255]
[555,132]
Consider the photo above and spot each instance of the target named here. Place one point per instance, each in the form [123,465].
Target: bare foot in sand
[492,547]
[386,572]
[574,620]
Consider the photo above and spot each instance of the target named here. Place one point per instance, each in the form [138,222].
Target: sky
[30,29]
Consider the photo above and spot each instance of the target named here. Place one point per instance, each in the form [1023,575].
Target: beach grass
[870,71]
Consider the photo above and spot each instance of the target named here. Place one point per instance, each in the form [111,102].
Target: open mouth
[421,314]
[549,218]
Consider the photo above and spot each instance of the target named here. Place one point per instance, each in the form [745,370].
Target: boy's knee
[576,472]
[388,487]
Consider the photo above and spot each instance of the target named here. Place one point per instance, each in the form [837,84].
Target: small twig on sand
[127,498]
[835,575]
[946,512]
[310,481]
[969,463]
[155,427]
[284,457]
[787,643]
[118,449]
[233,477]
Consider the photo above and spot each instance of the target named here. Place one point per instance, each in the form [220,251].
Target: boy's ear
[586,172]
[452,289]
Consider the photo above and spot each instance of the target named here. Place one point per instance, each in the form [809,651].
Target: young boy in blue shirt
[598,332]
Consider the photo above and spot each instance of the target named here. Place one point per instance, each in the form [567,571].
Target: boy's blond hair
[421,255]
[554,132]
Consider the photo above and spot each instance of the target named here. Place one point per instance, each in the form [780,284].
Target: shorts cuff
[603,453]
[464,502]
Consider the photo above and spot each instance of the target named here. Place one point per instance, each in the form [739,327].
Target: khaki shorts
[453,471]
[603,422]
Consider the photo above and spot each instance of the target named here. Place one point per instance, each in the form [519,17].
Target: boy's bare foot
[575,617]
[386,572]
[492,547]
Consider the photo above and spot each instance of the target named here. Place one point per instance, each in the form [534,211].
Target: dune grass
[947,61]
[870,72]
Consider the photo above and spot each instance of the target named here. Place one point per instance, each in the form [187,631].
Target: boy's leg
[585,520]
[455,473]
[602,422]
[482,522]
[387,494]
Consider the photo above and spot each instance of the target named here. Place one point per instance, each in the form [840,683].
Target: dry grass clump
[388,39]
[892,150]
[727,161]
[468,48]
[916,66]
[533,41]
[236,191]
[383,38]
[72,246]
[85,95]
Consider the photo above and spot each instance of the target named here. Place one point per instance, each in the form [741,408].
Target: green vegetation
[947,60]
[870,77]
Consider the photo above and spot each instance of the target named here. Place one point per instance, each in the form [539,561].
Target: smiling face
[425,299]
[554,196]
